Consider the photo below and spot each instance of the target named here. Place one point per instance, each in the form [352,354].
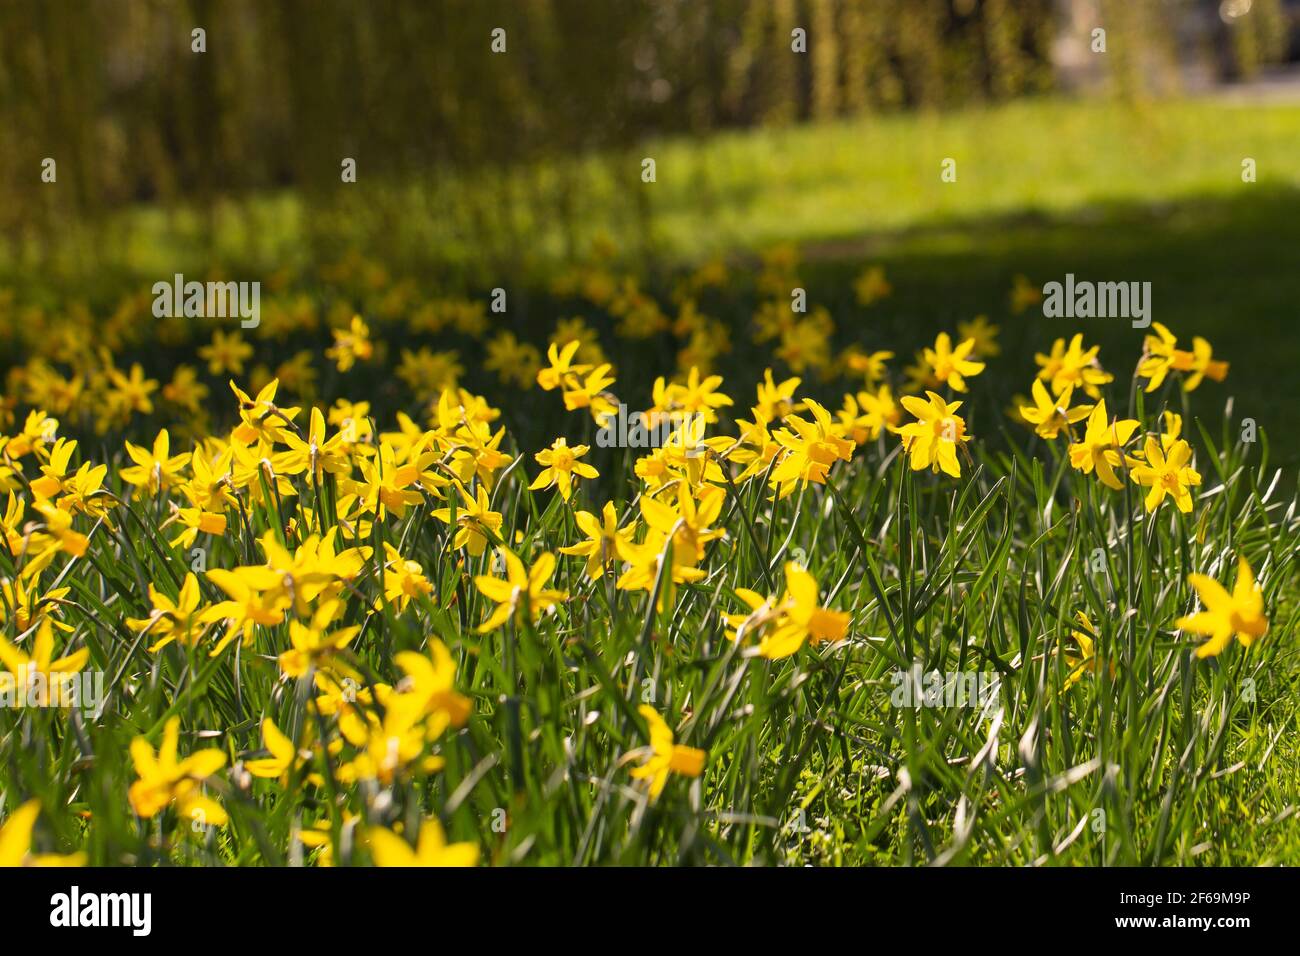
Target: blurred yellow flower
[802,619]
[870,365]
[515,363]
[665,756]
[985,335]
[1201,364]
[1024,294]
[38,675]
[351,346]
[284,755]
[1239,614]
[872,286]
[432,849]
[165,779]
[226,354]
[16,841]
[949,365]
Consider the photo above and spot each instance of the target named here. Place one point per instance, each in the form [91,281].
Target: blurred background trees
[413,92]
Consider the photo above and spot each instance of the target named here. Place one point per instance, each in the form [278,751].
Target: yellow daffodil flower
[1201,364]
[1161,353]
[811,449]
[351,346]
[432,849]
[154,468]
[590,392]
[561,467]
[519,588]
[985,335]
[404,580]
[1166,473]
[949,365]
[477,525]
[55,470]
[58,528]
[261,419]
[16,841]
[1074,365]
[665,756]
[803,619]
[313,644]
[256,597]
[178,620]
[1239,614]
[932,440]
[1102,443]
[164,779]
[284,755]
[561,365]
[44,681]
[1049,415]
[603,536]
[430,687]
[226,354]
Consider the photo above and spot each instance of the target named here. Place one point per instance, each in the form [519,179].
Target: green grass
[881,175]
[876,176]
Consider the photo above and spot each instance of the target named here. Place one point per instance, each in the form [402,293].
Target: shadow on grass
[1225,269]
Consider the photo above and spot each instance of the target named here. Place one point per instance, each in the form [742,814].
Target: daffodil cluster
[361,591]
